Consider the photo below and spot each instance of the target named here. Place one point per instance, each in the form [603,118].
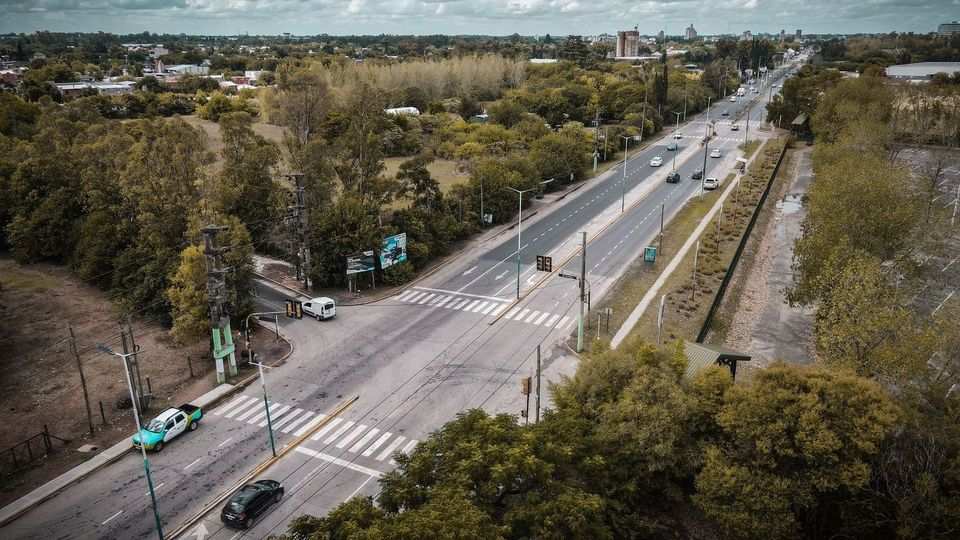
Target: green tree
[187,295]
[506,112]
[416,183]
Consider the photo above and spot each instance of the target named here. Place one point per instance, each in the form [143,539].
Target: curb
[235,388]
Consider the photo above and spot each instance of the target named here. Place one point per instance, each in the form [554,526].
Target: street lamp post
[623,183]
[136,417]
[675,131]
[520,193]
[246,329]
[266,407]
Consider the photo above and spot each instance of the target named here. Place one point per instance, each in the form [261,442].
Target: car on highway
[673,177]
[697,174]
[322,308]
[725,113]
[711,183]
[678,135]
[715,152]
[250,502]
[672,147]
[656,161]
[168,425]
[733,99]
[734,127]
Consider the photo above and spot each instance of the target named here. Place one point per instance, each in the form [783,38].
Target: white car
[711,183]
[678,135]
[733,99]
[715,152]
[656,161]
[322,308]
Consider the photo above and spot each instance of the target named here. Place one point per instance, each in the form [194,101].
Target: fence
[715,305]
[25,452]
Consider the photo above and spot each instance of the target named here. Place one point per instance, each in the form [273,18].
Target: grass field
[442,170]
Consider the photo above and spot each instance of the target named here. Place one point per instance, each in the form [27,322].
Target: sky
[494,17]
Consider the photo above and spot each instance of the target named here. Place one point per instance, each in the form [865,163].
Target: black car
[673,177]
[725,113]
[697,174]
[249,502]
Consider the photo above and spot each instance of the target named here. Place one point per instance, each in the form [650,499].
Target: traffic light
[294,309]
[544,263]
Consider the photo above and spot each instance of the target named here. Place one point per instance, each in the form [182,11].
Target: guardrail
[718,298]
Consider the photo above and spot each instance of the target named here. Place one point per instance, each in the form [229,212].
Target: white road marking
[109,519]
[326,429]
[309,425]
[306,477]
[293,425]
[563,321]
[336,434]
[470,271]
[501,274]
[413,299]
[405,294]
[512,312]
[462,294]
[500,308]
[552,320]
[949,264]
[377,444]
[480,306]
[358,489]
[225,442]
[444,300]
[274,417]
[250,412]
[364,441]
[949,296]
[228,406]
[532,317]
[522,314]
[541,319]
[240,408]
[280,423]
[427,298]
[156,488]
[470,306]
[353,435]
[393,446]
[192,463]
[263,414]
[342,462]
[491,306]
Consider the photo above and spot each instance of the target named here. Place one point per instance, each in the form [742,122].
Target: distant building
[783,35]
[9,77]
[188,69]
[397,111]
[660,36]
[922,71]
[253,76]
[746,35]
[799,35]
[949,29]
[628,43]
[77,89]
[690,33]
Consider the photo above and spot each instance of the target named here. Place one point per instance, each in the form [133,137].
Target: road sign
[544,263]
[650,254]
[525,386]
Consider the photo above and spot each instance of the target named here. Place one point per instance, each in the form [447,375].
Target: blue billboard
[394,250]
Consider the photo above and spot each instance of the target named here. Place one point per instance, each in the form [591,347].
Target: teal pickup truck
[167,425]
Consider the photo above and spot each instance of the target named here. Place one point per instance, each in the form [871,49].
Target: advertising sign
[364,262]
[650,254]
[394,250]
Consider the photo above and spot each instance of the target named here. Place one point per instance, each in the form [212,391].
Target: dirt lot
[40,382]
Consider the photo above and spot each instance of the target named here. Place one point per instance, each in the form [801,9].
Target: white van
[322,308]
[741,91]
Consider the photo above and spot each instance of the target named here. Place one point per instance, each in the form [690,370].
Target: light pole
[520,193]
[623,183]
[266,407]
[675,131]
[482,219]
[136,417]
[246,329]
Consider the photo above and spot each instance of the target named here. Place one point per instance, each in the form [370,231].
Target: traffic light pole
[246,329]
[583,280]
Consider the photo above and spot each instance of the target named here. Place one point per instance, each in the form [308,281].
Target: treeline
[864,53]
[122,203]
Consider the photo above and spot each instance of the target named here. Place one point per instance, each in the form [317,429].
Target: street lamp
[623,183]
[266,407]
[136,417]
[675,131]
[520,193]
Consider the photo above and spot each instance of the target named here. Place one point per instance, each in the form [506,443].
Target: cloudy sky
[499,17]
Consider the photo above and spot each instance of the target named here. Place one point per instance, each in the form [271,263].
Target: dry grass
[443,171]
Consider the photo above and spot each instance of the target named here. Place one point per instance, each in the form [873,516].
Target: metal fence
[715,305]
[25,452]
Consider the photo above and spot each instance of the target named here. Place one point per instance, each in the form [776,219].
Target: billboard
[363,262]
[394,250]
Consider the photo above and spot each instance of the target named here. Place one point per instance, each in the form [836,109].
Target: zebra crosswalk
[346,435]
[483,305]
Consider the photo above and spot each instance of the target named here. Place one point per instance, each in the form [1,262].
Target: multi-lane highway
[454,341]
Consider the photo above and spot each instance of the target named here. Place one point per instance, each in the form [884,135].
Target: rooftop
[922,70]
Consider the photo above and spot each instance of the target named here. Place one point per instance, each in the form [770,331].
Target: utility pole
[643,114]
[482,218]
[583,296]
[299,230]
[746,134]
[675,131]
[83,380]
[223,346]
[537,414]
[706,150]
[662,207]
[266,407]
[663,299]
[130,348]
[685,100]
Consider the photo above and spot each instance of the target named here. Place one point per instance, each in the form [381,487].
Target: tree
[416,183]
[187,294]
[798,442]
[559,156]
[301,100]
[506,112]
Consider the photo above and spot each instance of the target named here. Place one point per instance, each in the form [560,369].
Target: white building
[187,69]
[396,111]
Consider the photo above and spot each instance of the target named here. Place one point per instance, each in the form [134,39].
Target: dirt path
[763,324]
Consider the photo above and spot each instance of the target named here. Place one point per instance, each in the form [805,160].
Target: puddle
[791,204]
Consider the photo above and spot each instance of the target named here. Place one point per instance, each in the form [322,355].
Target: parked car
[733,99]
[715,152]
[673,177]
[322,308]
[250,502]
[672,147]
[168,425]
[711,183]
[656,161]
[734,127]
[725,113]
[697,174]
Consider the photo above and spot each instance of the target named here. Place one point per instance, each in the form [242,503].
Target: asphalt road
[415,360]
